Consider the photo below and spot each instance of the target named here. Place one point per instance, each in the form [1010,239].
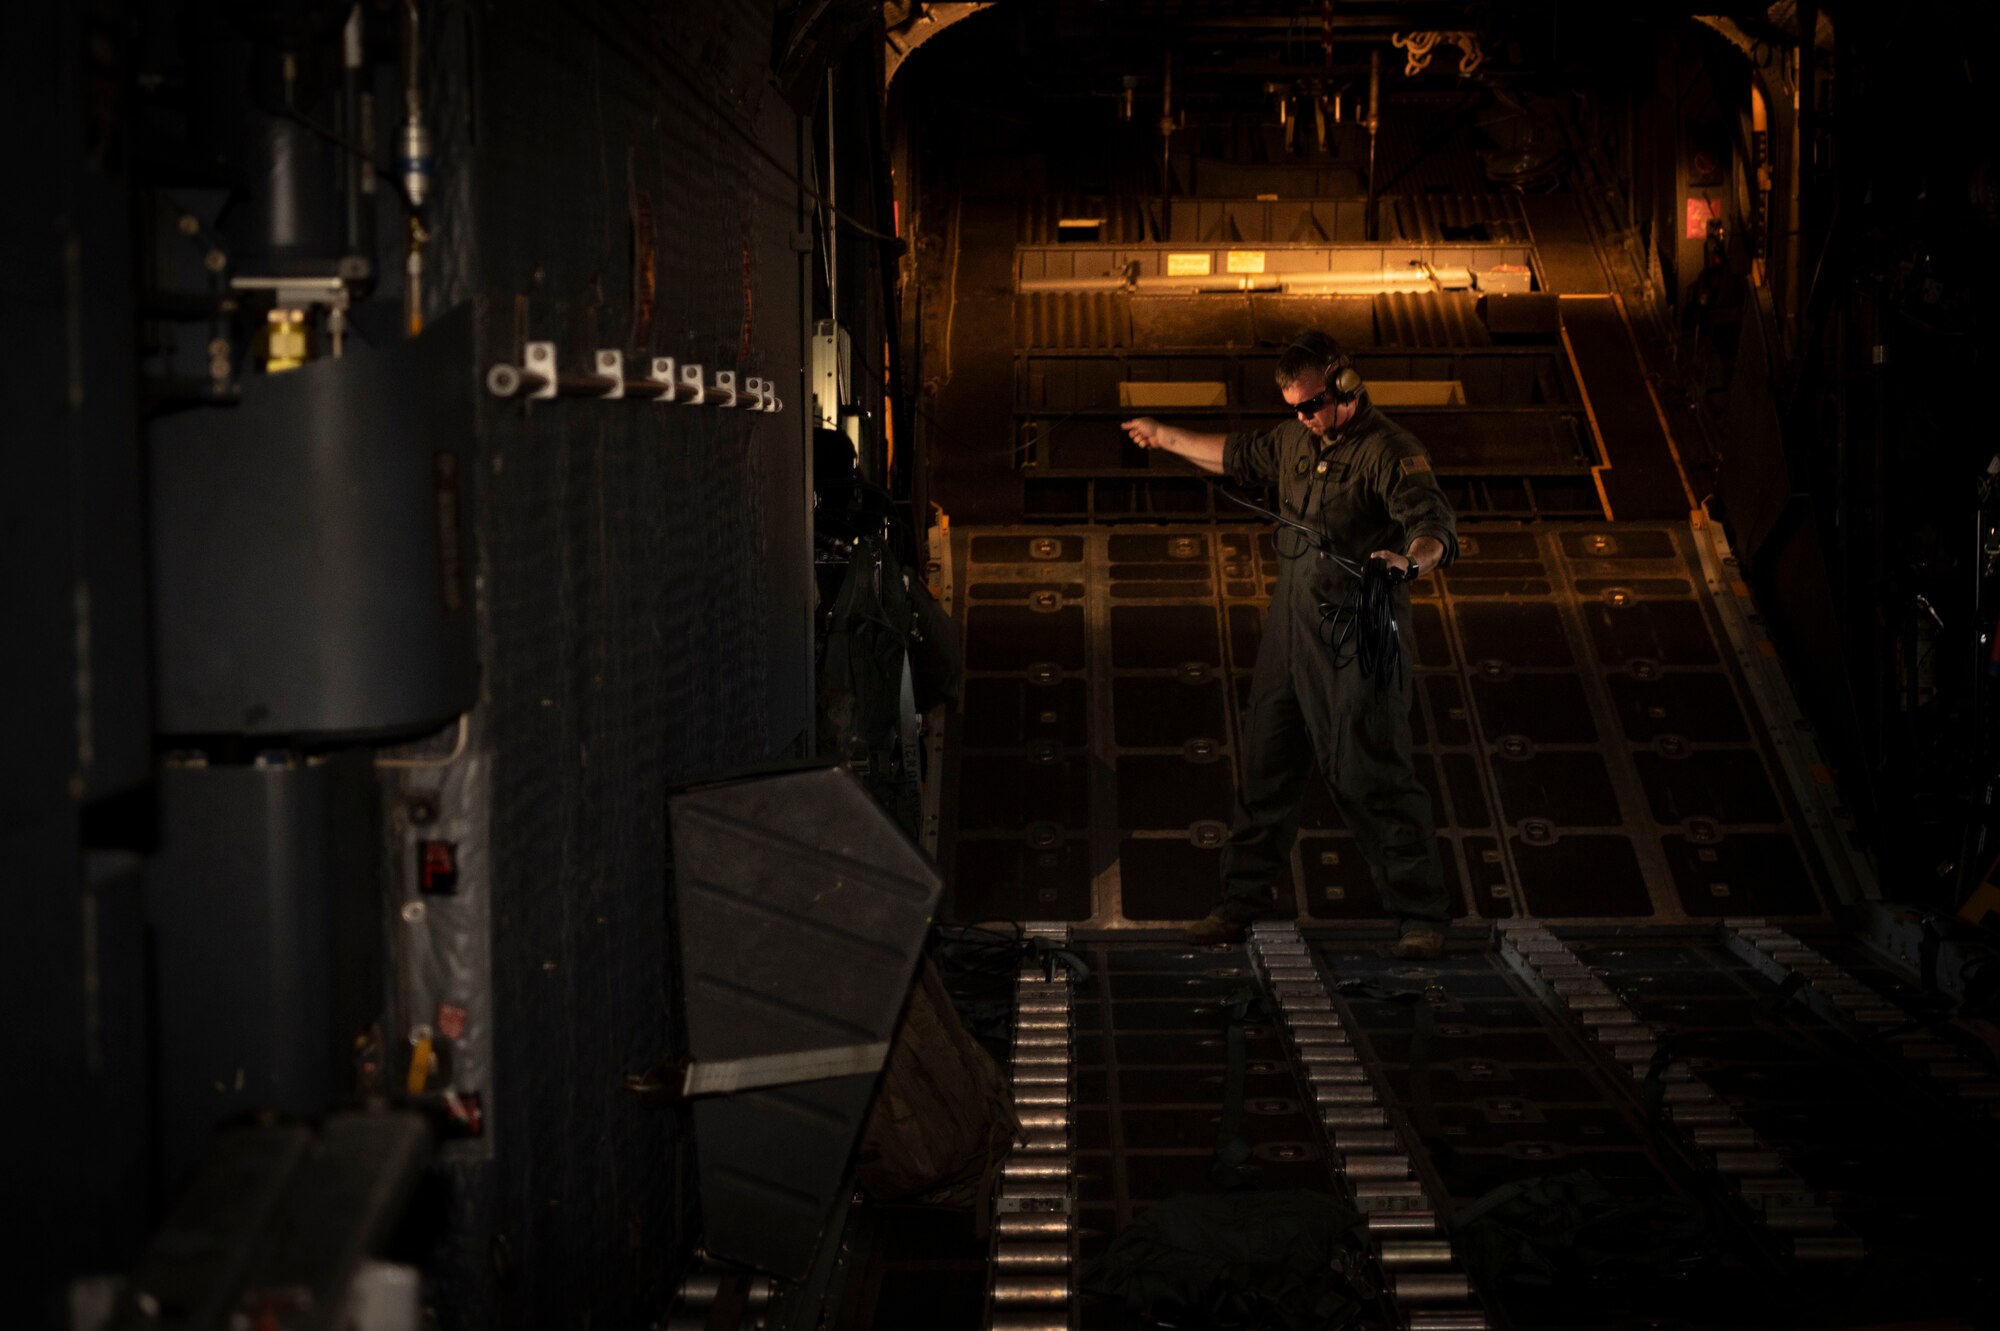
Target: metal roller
[1040,1022]
[1725,1139]
[1043,1144]
[1428,1287]
[1019,1289]
[1415,1252]
[1828,1248]
[1010,1256]
[1403,1222]
[1850,996]
[1312,1021]
[1325,1075]
[1354,1116]
[1334,1042]
[1017,1170]
[1032,1226]
[1393,1166]
[1042,1058]
[1749,1162]
[1700,1113]
[1043,1000]
[1799,1219]
[1034,1195]
[1356,1094]
[1432,1321]
[1585,1003]
[703,1288]
[1328,1056]
[1042,1039]
[1784,1190]
[1043,1120]
[1365,1139]
[1032,1097]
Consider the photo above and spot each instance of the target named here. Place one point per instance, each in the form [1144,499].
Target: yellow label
[1246,261]
[1188,265]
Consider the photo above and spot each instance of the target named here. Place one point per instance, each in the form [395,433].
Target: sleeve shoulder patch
[1413,463]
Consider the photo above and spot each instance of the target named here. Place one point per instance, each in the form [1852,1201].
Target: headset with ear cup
[1344,380]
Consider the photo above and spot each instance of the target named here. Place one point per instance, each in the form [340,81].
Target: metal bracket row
[1796,1218]
[1416,1260]
[683,384]
[1034,1208]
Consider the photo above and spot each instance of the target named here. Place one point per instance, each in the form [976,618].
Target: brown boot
[1214,931]
[1423,942]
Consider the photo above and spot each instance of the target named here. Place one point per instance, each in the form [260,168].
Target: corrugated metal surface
[1429,319]
[1072,320]
[1438,218]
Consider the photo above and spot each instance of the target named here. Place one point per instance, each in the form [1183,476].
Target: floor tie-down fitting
[1030,1286]
[1798,1221]
[1419,1269]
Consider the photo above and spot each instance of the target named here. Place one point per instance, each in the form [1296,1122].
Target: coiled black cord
[1361,629]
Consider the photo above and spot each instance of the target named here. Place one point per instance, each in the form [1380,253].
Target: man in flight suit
[1344,470]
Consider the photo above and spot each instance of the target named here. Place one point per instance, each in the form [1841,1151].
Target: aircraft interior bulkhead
[1022,665]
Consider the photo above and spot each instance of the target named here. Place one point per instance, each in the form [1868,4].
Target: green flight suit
[1377,492]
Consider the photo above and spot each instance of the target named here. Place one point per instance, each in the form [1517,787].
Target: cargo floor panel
[1591,749]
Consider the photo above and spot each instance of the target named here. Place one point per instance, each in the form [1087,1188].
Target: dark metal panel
[310,557]
[801,910]
[265,910]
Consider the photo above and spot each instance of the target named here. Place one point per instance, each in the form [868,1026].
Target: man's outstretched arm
[1203,450]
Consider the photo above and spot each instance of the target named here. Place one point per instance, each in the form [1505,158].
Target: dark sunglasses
[1314,404]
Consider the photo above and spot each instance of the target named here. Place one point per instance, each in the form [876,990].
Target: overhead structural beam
[920,23]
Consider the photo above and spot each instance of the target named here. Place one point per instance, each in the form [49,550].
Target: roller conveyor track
[1835,1181]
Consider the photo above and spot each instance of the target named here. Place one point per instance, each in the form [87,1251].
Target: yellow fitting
[287,340]
[423,1059]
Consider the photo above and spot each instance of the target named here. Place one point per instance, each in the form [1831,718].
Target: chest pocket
[1336,502]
